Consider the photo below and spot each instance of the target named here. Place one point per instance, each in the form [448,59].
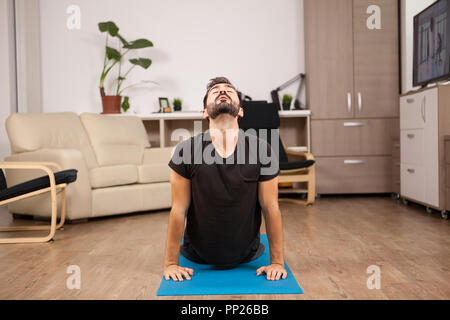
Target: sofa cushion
[131,198]
[33,131]
[156,172]
[109,176]
[116,139]
[158,155]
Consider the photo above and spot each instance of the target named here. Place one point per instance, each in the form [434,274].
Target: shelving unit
[294,127]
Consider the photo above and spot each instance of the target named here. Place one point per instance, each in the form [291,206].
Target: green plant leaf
[109,27]
[112,53]
[142,62]
[124,42]
[177,102]
[287,98]
[126,103]
[139,44]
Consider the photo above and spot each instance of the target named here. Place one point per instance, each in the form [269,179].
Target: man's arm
[181,196]
[268,199]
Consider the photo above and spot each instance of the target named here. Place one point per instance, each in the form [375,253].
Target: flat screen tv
[431,46]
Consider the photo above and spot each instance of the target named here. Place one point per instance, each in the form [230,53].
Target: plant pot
[286,106]
[177,108]
[111,104]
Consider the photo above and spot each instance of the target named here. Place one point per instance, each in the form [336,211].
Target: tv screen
[431,47]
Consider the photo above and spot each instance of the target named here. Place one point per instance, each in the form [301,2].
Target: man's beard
[222,107]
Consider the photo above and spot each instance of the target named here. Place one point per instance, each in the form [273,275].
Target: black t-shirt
[224,216]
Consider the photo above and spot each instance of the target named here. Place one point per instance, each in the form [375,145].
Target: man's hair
[213,82]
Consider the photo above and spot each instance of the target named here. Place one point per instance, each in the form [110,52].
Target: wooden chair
[263,115]
[52,182]
[304,171]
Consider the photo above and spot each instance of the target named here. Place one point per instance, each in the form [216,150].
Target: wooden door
[329,58]
[376,58]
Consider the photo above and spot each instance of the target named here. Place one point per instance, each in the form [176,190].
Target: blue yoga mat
[208,280]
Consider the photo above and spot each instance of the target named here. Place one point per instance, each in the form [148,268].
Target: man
[221,186]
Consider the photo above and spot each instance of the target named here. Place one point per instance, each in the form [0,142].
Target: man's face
[222,99]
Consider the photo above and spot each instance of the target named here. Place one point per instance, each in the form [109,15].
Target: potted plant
[287,99]
[177,102]
[113,57]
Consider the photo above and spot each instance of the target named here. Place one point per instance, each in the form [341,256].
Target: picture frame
[164,105]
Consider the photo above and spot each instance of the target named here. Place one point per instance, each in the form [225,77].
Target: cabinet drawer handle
[411,170]
[354,124]
[397,181]
[410,135]
[397,145]
[397,164]
[349,102]
[410,100]
[354,161]
[359,102]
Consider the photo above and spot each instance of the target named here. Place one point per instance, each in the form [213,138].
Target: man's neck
[224,132]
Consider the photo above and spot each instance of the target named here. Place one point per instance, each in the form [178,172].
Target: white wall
[409,9]
[7,70]
[28,57]
[257,44]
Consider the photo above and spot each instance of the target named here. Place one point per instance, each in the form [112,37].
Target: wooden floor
[328,247]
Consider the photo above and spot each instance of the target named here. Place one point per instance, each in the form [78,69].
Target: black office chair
[264,115]
[52,182]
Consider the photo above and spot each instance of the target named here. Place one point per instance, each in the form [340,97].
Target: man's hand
[176,272]
[273,271]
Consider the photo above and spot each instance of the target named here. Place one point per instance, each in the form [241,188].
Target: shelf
[292,190]
[294,126]
[294,113]
[299,149]
[196,115]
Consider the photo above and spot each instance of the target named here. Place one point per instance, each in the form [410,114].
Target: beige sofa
[118,172]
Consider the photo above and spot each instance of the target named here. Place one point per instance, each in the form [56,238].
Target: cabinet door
[376,58]
[431,147]
[335,138]
[329,58]
[412,146]
[412,181]
[376,136]
[368,137]
[337,175]
[412,111]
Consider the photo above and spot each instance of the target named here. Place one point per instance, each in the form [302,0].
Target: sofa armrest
[78,193]
[157,155]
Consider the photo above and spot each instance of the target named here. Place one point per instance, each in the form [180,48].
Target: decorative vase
[286,106]
[176,108]
[111,104]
